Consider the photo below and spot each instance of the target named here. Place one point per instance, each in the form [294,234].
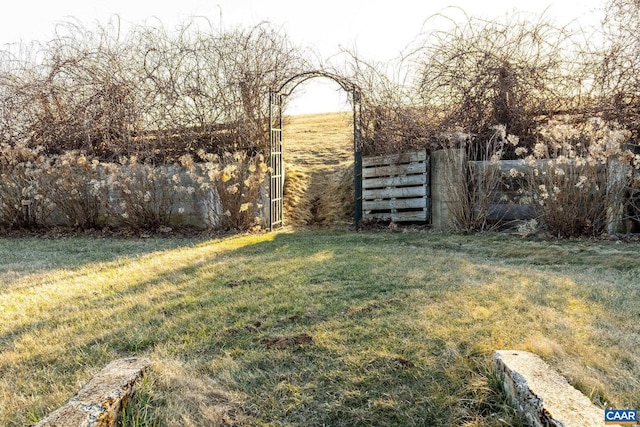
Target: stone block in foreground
[542,395]
[99,402]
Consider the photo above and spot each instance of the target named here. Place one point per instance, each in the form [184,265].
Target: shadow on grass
[32,255]
[402,329]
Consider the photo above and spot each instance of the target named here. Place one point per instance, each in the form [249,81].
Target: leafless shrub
[578,177]
[468,188]
[143,195]
[212,87]
[149,92]
[618,78]
[473,74]
[393,118]
[231,186]
[513,72]
[78,189]
[149,96]
[23,197]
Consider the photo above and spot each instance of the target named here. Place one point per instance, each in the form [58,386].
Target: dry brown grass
[318,156]
[315,327]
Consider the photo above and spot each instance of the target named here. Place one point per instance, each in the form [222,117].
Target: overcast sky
[378,29]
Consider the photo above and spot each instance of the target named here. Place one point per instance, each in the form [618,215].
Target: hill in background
[318,160]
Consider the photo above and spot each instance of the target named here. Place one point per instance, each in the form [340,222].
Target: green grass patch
[314,328]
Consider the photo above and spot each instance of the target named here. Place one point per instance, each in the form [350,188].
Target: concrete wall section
[448,175]
[541,395]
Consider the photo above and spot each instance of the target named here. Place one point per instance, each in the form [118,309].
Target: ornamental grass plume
[231,186]
[573,178]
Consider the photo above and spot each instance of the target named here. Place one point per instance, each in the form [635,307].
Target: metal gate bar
[357,158]
[276,181]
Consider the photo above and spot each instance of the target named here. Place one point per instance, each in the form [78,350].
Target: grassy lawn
[312,328]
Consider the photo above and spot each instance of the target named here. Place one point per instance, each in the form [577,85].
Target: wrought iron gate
[276,175]
[276,171]
[357,157]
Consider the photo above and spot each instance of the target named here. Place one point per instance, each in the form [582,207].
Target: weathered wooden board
[393,204]
[395,159]
[400,216]
[394,170]
[396,187]
[393,181]
[395,192]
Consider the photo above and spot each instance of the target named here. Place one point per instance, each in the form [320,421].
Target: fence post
[448,176]
[615,179]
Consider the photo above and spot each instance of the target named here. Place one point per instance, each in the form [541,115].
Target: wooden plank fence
[396,187]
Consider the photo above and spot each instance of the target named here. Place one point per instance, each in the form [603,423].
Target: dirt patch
[253,327]
[395,363]
[372,307]
[243,282]
[281,342]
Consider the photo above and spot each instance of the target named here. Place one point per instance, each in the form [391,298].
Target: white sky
[377,29]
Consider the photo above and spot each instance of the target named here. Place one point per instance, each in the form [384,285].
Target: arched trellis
[276,179]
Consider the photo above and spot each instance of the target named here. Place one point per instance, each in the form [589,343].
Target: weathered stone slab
[99,402]
[542,395]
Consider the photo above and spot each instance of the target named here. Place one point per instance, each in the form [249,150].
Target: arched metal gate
[276,172]
[276,178]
